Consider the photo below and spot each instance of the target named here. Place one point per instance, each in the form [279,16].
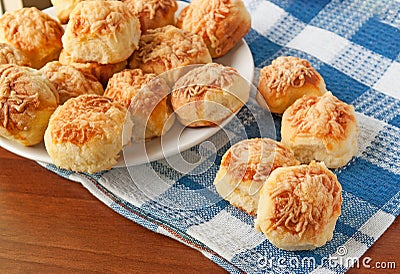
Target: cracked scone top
[106,32]
[153,13]
[321,128]
[11,55]
[299,206]
[146,97]
[221,23]
[245,167]
[87,133]
[34,33]
[209,94]
[27,99]
[168,47]
[71,82]
[287,79]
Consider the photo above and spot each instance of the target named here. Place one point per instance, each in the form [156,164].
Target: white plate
[177,139]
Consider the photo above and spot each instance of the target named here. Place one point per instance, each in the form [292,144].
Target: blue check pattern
[355,45]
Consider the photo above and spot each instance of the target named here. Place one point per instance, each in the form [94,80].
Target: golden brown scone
[71,82]
[34,33]
[221,23]
[209,94]
[287,79]
[146,96]
[168,47]
[11,55]
[27,99]
[299,206]
[245,167]
[87,133]
[153,14]
[102,72]
[106,32]
[64,8]
[321,128]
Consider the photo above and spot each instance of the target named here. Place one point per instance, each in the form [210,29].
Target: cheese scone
[299,206]
[147,98]
[153,14]
[71,82]
[221,23]
[11,55]
[209,94]
[287,79]
[27,99]
[321,128]
[34,33]
[106,32]
[64,8]
[87,133]
[244,168]
[102,72]
[168,47]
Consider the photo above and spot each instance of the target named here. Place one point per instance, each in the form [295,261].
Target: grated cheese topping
[286,71]
[149,6]
[204,78]
[205,17]
[304,198]
[255,159]
[172,46]
[324,116]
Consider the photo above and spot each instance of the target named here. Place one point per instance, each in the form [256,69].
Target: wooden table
[52,225]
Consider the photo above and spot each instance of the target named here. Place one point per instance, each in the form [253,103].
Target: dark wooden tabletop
[52,225]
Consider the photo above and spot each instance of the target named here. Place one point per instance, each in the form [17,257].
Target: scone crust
[71,82]
[27,99]
[287,79]
[208,94]
[33,32]
[299,206]
[85,134]
[64,8]
[168,47]
[103,72]
[147,98]
[105,32]
[245,167]
[153,14]
[321,128]
[11,55]
[221,23]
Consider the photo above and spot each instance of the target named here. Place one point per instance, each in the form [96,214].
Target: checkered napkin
[355,45]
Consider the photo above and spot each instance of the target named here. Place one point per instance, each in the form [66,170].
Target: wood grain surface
[51,225]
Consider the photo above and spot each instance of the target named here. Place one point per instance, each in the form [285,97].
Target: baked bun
[86,134]
[27,99]
[321,128]
[71,82]
[167,48]
[209,94]
[102,72]
[287,79]
[146,96]
[245,167]
[153,14]
[64,8]
[11,55]
[221,23]
[106,32]
[299,206]
[34,33]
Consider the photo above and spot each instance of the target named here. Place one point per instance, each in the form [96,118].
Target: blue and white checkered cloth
[355,45]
